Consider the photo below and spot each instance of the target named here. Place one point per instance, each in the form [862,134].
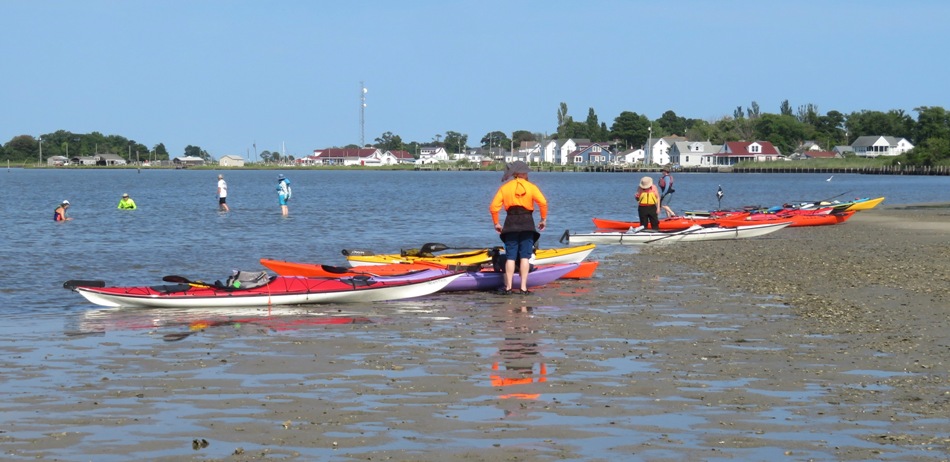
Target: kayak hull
[574,254]
[485,279]
[796,220]
[694,234]
[282,290]
[667,224]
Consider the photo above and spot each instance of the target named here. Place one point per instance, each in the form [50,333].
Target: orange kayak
[669,224]
[797,220]
[584,270]
[313,270]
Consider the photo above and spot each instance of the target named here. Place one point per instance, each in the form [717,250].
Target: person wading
[518,197]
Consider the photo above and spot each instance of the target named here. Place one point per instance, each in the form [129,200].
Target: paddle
[824,200]
[184,280]
[430,247]
[691,229]
[357,252]
[72,284]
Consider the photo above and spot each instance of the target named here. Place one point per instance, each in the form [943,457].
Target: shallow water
[62,345]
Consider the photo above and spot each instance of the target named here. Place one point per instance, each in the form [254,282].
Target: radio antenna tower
[363,91]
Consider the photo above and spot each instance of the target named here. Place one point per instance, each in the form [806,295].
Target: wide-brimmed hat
[665,170]
[516,167]
[646,182]
[220,177]
[280,177]
[125,194]
[65,203]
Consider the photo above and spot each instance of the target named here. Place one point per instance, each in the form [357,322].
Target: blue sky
[225,75]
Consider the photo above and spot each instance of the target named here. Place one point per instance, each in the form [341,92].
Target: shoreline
[812,343]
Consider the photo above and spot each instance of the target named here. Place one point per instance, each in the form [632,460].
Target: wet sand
[812,343]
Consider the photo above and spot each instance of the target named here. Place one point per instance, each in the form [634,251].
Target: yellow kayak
[575,254]
[866,204]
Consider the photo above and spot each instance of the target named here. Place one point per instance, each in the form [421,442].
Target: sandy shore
[826,343]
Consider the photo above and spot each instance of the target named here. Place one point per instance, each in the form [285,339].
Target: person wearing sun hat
[283,193]
[518,197]
[60,213]
[648,203]
[126,203]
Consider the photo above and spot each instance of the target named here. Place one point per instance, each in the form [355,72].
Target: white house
[690,153]
[231,161]
[874,146]
[631,156]
[432,154]
[659,152]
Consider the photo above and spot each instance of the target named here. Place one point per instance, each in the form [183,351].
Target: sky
[238,77]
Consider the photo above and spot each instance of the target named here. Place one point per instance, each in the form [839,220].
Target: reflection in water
[187,322]
[519,363]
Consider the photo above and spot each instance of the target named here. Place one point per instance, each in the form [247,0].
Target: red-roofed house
[733,152]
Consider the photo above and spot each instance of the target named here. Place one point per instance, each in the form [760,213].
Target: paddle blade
[176,279]
[72,284]
[357,252]
[430,247]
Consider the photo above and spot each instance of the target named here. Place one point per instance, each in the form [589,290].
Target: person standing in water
[518,197]
[222,194]
[666,192]
[126,203]
[60,213]
[283,193]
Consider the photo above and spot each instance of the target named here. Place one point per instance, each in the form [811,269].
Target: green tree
[389,142]
[592,127]
[519,136]
[891,123]
[784,132]
[931,152]
[456,141]
[195,151]
[671,124]
[22,148]
[932,122]
[631,128]
[495,139]
[829,129]
[785,108]
[562,117]
[160,152]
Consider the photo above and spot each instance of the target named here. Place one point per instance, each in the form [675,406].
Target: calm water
[178,230]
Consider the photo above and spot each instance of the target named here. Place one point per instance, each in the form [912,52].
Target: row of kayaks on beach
[726,224]
[372,277]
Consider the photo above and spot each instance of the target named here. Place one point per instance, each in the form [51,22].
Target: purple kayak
[488,279]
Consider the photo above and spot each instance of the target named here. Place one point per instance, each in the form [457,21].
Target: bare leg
[525,266]
[283,210]
[669,211]
[509,273]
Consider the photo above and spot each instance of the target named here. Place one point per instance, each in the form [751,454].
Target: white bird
[830,177]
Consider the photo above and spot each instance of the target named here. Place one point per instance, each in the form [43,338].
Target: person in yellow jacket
[518,197]
[126,203]
[648,201]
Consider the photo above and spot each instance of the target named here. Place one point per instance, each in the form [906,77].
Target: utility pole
[363,92]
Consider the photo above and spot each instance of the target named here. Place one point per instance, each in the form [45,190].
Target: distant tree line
[787,130]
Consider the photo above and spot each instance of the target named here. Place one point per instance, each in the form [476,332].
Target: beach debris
[197,444]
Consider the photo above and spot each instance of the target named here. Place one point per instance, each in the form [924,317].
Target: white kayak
[281,290]
[694,233]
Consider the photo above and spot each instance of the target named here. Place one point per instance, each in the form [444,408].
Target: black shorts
[222,200]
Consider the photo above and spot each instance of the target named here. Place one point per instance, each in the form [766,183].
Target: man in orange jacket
[518,197]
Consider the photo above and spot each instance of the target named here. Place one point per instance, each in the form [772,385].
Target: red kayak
[797,220]
[670,224]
